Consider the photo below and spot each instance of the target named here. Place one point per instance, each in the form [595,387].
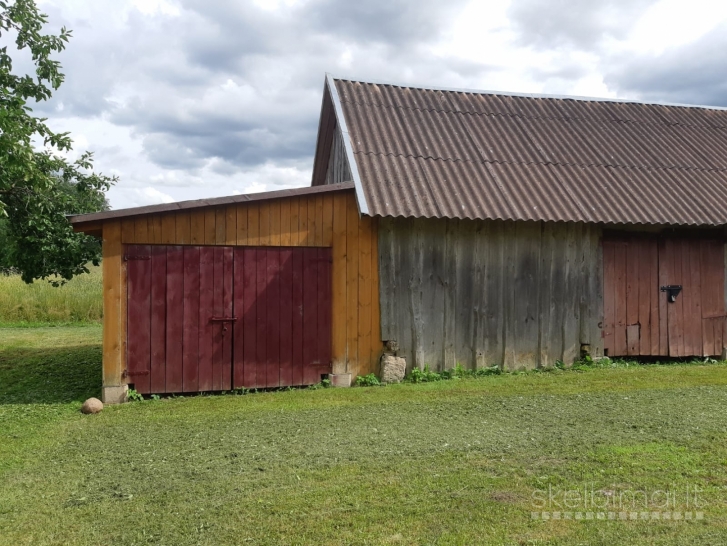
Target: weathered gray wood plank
[481,293]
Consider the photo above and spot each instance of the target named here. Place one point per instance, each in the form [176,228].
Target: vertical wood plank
[262,318]
[376,341]
[621,306]
[265,214]
[197,229]
[141,230]
[175,318]
[325,313]
[311,308]
[220,225]
[155,222]
[183,228]
[242,235]
[272,307]
[239,310]
[294,221]
[218,341]
[304,238]
[128,235]
[352,263]
[525,285]
[632,293]
[210,228]
[547,297]
[297,316]
[253,225]
[286,236]
[695,290]
[139,318]
[112,250]
[319,220]
[609,296]
[206,310]
[286,314]
[311,238]
[158,319]
[654,313]
[249,320]
[663,309]
[364,295]
[169,229]
[231,225]
[190,343]
[645,291]
[687,296]
[275,219]
[451,264]
[327,221]
[227,311]
[339,281]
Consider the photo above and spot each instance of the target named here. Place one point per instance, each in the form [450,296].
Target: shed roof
[79,220]
[420,152]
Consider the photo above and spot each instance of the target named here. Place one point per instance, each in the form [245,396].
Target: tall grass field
[78,301]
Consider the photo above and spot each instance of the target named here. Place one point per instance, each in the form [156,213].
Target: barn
[470,227]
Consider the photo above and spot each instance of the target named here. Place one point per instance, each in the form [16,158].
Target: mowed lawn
[452,462]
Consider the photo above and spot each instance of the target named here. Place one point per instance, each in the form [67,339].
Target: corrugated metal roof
[455,154]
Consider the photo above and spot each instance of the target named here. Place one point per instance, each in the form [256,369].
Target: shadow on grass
[50,375]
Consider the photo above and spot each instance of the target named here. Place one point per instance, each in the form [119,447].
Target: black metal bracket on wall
[672,291]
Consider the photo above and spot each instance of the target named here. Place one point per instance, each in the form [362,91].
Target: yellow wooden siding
[114,299]
[330,220]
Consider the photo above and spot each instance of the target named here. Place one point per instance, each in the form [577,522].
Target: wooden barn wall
[327,220]
[338,168]
[483,293]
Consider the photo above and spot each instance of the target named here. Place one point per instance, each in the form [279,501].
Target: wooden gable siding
[484,293]
[327,220]
[338,168]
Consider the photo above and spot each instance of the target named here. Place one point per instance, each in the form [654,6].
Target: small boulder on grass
[92,405]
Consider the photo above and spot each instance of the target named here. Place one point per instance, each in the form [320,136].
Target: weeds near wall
[369,380]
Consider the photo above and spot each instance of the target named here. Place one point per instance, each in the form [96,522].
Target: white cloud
[186,99]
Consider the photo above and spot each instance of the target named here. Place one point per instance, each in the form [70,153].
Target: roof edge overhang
[363,206]
[91,220]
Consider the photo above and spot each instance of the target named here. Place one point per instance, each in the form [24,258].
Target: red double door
[663,296]
[206,318]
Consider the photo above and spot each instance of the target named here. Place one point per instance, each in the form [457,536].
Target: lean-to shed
[471,227]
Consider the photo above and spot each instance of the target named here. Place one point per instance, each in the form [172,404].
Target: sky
[186,99]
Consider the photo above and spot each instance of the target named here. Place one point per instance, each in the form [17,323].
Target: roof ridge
[528,95]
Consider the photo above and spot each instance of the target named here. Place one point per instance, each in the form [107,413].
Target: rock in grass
[393,369]
[92,405]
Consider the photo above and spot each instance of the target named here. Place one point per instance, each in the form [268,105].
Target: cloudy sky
[184,99]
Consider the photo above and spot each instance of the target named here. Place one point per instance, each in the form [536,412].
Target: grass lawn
[452,462]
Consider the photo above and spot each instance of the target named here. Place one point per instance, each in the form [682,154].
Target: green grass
[77,301]
[447,462]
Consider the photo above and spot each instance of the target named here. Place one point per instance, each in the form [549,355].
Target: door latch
[672,291]
[224,321]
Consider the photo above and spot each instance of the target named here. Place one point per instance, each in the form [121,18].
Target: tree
[38,185]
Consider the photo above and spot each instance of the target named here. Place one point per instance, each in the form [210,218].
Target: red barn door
[179,301]
[283,304]
[663,296]
[212,318]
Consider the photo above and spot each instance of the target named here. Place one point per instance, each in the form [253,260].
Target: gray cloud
[574,23]
[692,74]
[232,81]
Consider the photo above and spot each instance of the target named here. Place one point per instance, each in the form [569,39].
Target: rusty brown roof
[465,154]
